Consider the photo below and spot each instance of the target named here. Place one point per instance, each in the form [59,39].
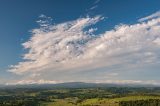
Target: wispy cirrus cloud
[154,15]
[70,48]
[97,1]
[94,7]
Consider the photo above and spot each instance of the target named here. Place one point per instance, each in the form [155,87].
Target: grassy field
[98,101]
[110,96]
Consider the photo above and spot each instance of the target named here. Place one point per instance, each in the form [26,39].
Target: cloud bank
[73,47]
[42,81]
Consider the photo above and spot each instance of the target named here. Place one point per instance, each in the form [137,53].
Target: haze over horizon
[100,41]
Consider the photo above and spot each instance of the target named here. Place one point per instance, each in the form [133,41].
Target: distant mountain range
[75,85]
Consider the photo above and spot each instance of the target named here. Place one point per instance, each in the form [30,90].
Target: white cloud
[93,7]
[97,1]
[64,42]
[155,15]
[41,81]
[157,41]
[68,46]
[112,74]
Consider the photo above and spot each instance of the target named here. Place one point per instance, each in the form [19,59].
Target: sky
[99,41]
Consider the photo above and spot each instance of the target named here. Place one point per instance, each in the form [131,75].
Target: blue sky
[18,20]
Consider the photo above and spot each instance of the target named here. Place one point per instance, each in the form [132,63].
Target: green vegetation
[100,96]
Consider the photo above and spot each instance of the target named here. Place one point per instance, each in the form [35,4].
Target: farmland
[80,96]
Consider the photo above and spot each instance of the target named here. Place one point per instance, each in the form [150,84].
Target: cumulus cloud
[70,46]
